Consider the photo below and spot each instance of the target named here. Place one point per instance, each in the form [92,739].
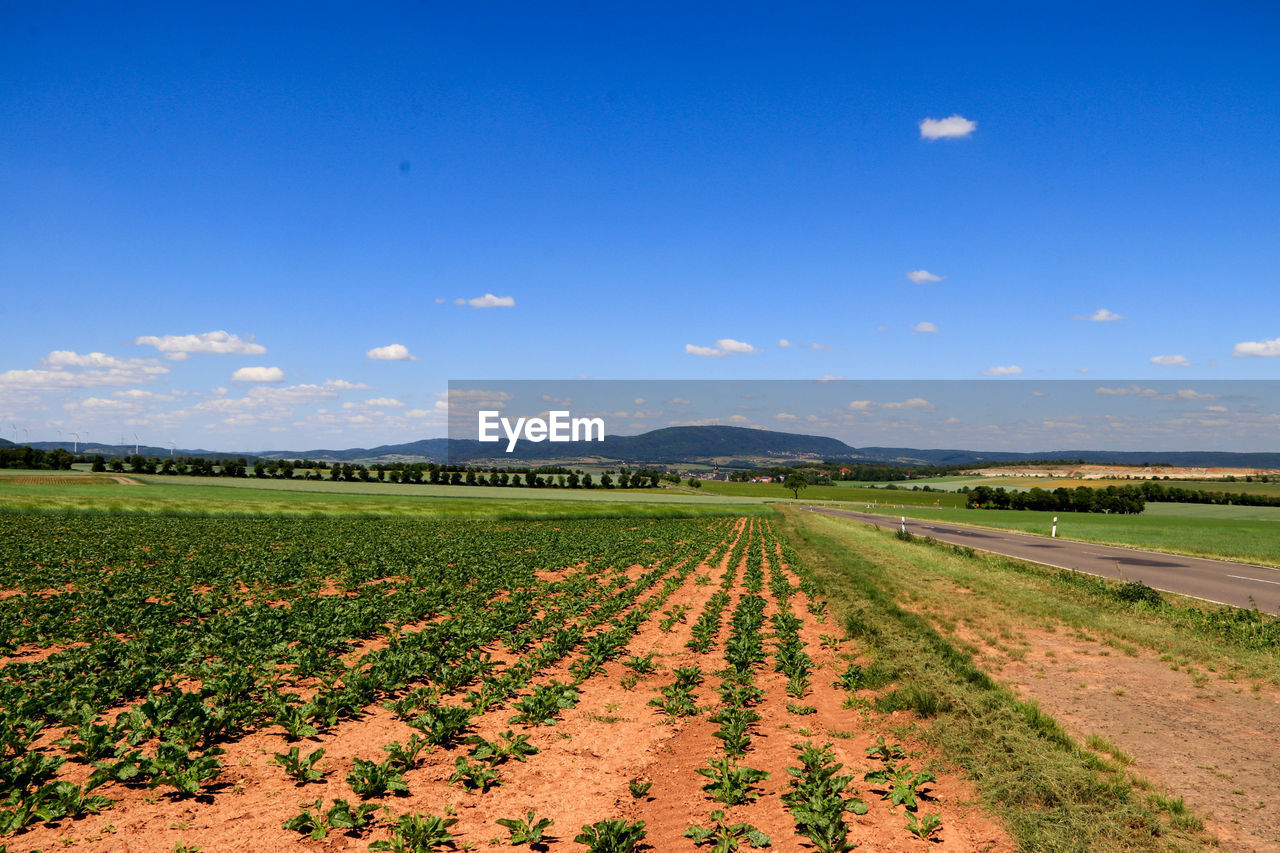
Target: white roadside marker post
[904,524]
[1053,534]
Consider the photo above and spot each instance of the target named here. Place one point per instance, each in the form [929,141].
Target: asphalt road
[1238,584]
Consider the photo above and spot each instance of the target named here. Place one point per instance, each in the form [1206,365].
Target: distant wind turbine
[135,444]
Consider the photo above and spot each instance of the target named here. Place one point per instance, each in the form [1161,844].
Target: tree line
[1158,493]
[1113,499]
[552,476]
[35,459]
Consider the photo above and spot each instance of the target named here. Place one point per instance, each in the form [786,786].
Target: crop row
[491,597]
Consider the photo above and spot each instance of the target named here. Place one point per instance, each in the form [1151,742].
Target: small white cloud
[733,347]
[179,347]
[441,301]
[924,277]
[258,374]
[784,343]
[952,127]
[917,404]
[723,347]
[1192,394]
[384,403]
[785,416]
[925,328]
[1005,370]
[1265,349]
[1171,360]
[1129,391]
[391,352]
[1215,408]
[488,301]
[830,377]
[639,401]
[1102,315]
[821,346]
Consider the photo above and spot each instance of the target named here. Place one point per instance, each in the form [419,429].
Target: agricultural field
[174,682]
[903,495]
[154,493]
[1050,483]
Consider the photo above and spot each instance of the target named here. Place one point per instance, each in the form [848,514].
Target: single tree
[796,483]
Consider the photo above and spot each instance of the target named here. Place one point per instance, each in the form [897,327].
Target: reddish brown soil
[1217,744]
[581,775]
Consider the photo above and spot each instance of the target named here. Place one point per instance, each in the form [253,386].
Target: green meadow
[1228,533]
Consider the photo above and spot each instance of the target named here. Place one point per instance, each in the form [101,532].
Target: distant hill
[728,446]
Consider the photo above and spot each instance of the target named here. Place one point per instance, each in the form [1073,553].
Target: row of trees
[537,478]
[191,466]
[390,472]
[33,458]
[1158,493]
[1114,499]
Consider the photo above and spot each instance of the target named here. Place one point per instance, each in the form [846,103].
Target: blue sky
[214,218]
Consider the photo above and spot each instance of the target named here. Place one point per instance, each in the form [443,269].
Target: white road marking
[1258,580]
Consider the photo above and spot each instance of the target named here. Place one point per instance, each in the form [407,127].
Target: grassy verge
[1053,794]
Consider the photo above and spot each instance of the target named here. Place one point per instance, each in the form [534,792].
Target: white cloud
[785,416]
[821,346]
[917,404]
[1266,349]
[925,328]
[952,127]
[488,301]
[384,402]
[101,404]
[1129,391]
[391,352]
[66,369]
[1192,394]
[723,347]
[729,345]
[258,374]
[139,395]
[1215,408]
[1102,315]
[1171,360]
[924,277]
[784,343]
[1005,370]
[179,347]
